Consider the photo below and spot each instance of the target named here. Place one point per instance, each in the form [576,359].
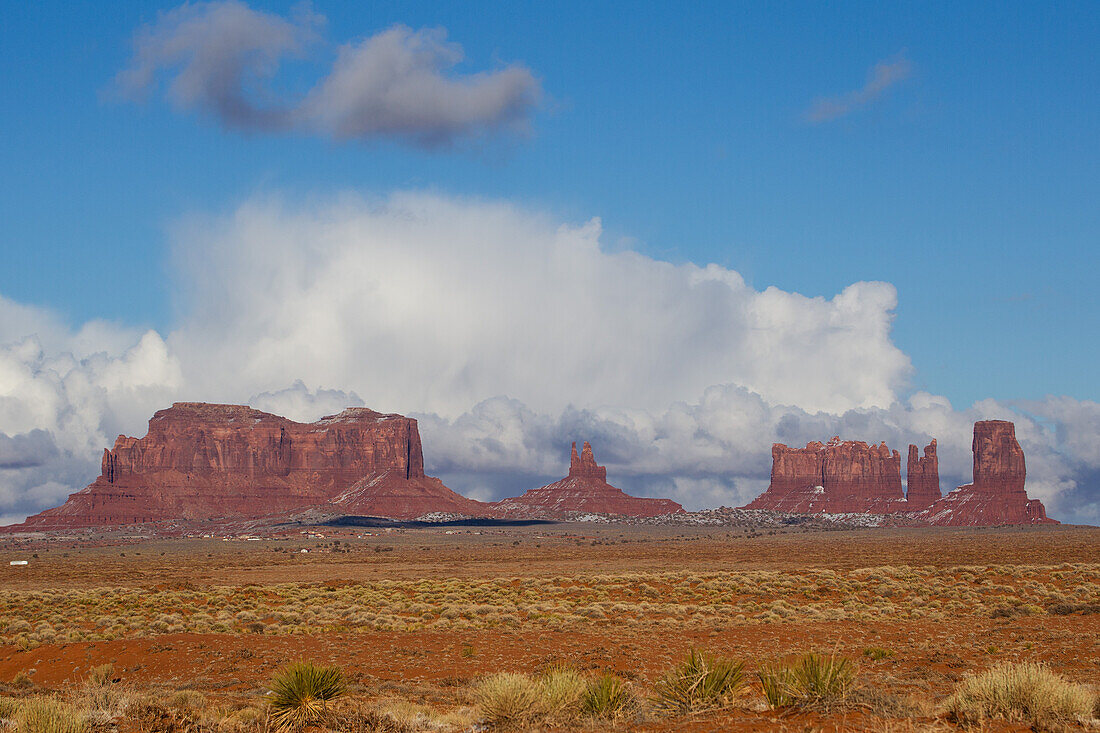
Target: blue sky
[515,247]
[972,185]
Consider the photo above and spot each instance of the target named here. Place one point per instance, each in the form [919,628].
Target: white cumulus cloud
[59,408]
[425,303]
[508,334]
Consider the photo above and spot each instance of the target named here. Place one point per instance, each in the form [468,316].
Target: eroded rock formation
[585,489]
[201,461]
[853,477]
[997,495]
[834,477]
[922,478]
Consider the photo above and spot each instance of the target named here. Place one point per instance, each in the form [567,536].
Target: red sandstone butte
[835,477]
[997,495]
[585,489]
[202,461]
[922,478]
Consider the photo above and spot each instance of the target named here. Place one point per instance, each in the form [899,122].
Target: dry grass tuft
[1027,692]
[8,707]
[508,700]
[562,691]
[49,715]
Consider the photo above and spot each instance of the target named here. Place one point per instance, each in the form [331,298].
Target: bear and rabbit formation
[201,462]
[585,489]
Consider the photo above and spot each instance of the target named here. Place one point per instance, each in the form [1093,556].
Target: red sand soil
[435,667]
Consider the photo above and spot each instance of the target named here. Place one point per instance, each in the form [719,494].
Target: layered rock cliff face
[585,489]
[997,495]
[852,477]
[922,478]
[201,461]
[834,477]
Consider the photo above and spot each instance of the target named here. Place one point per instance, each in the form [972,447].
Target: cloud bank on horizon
[223,58]
[509,334]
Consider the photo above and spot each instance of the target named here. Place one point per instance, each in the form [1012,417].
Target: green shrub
[47,715]
[1026,692]
[101,675]
[608,697]
[300,694]
[699,682]
[814,681]
[101,696]
[506,699]
[878,653]
[1065,609]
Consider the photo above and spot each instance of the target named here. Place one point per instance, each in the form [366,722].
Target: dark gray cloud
[26,450]
[218,55]
[393,84]
[881,77]
[222,58]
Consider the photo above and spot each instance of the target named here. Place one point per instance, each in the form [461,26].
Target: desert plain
[189,631]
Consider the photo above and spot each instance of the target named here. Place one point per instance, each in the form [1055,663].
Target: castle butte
[585,489]
[835,477]
[201,461]
[854,477]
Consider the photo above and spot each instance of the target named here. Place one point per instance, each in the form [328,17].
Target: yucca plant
[608,697]
[300,694]
[822,681]
[775,681]
[814,681]
[700,682]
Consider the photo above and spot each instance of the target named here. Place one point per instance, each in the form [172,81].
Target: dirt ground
[420,615]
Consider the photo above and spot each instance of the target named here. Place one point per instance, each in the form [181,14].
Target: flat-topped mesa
[836,477]
[922,476]
[585,489]
[202,461]
[225,442]
[997,495]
